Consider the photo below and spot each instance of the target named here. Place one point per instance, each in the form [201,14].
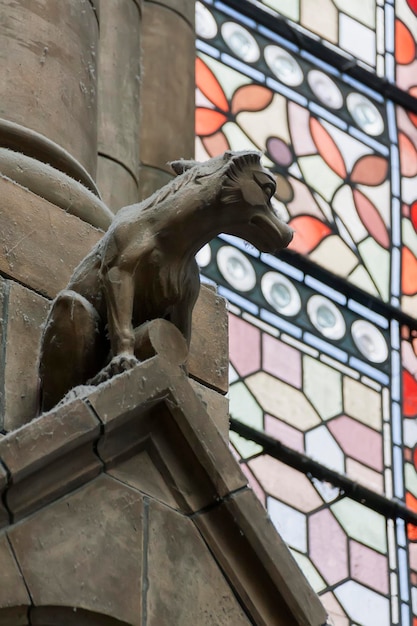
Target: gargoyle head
[244,191]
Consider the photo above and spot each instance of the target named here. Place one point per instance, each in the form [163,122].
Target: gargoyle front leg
[118,284]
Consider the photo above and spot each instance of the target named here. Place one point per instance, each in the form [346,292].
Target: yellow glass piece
[283,401]
[323,387]
[362,403]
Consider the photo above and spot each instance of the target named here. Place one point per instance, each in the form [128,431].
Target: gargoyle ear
[182,165]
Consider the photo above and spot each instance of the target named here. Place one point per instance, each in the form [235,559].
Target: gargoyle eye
[269,189]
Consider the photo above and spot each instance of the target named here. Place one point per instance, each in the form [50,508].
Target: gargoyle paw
[122,362]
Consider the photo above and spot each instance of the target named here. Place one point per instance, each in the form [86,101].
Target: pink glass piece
[288,435]
[358,441]
[369,567]
[335,611]
[279,151]
[328,547]
[244,346]
[281,360]
[298,118]
[371,219]
[285,483]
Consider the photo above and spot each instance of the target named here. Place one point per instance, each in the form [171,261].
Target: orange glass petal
[209,85]
[371,219]
[405,47]
[309,231]
[409,272]
[369,170]
[408,155]
[409,395]
[251,98]
[413,215]
[216,144]
[411,503]
[208,121]
[327,148]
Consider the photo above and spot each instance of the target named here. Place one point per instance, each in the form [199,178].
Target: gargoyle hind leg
[73,348]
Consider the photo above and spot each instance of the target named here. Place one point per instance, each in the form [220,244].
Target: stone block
[13,592]
[4,514]
[216,405]
[50,456]
[40,245]
[259,564]
[208,361]
[24,313]
[85,551]
[185,584]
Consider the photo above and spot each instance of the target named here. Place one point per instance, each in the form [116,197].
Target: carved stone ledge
[169,514]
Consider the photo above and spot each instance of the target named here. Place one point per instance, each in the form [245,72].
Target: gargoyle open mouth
[272,234]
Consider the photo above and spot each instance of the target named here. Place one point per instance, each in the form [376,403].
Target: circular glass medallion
[325,89]
[365,114]
[203,256]
[205,24]
[326,317]
[283,65]
[236,268]
[240,41]
[280,293]
[369,341]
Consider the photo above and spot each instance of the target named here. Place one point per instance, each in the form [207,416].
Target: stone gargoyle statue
[143,268]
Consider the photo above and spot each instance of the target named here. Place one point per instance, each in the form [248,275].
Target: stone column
[50,210]
[118,105]
[48,90]
[167,102]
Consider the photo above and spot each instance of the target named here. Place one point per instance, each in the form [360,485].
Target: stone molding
[153,412]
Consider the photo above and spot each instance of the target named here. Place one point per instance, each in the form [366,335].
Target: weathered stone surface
[182,7]
[168,76]
[30,227]
[151,179]
[57,69]
[118,83]
[117,186]
[141,473]
[85,551]
[259,564]
[23,315]
[216,405]
[13,592]
[208,360]
[50,456]
[185,584]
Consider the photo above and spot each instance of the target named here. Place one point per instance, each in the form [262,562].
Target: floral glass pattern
[337,175]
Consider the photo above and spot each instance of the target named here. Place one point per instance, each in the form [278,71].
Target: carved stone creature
[144,268]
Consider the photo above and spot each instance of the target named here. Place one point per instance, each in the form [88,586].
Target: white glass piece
[205,24]
[366,607]
[365,114]
[241,42]
[369,341]
[325,89]
[291,524]
[283,65]
[326,317]
[320,445]
[203,256]
[280,293]
[236,268]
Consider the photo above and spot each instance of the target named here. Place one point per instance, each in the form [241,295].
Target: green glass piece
[361,523]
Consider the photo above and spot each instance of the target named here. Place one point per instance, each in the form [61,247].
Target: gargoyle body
[144,268]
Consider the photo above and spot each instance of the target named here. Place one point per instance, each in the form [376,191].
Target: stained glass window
[323,339]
